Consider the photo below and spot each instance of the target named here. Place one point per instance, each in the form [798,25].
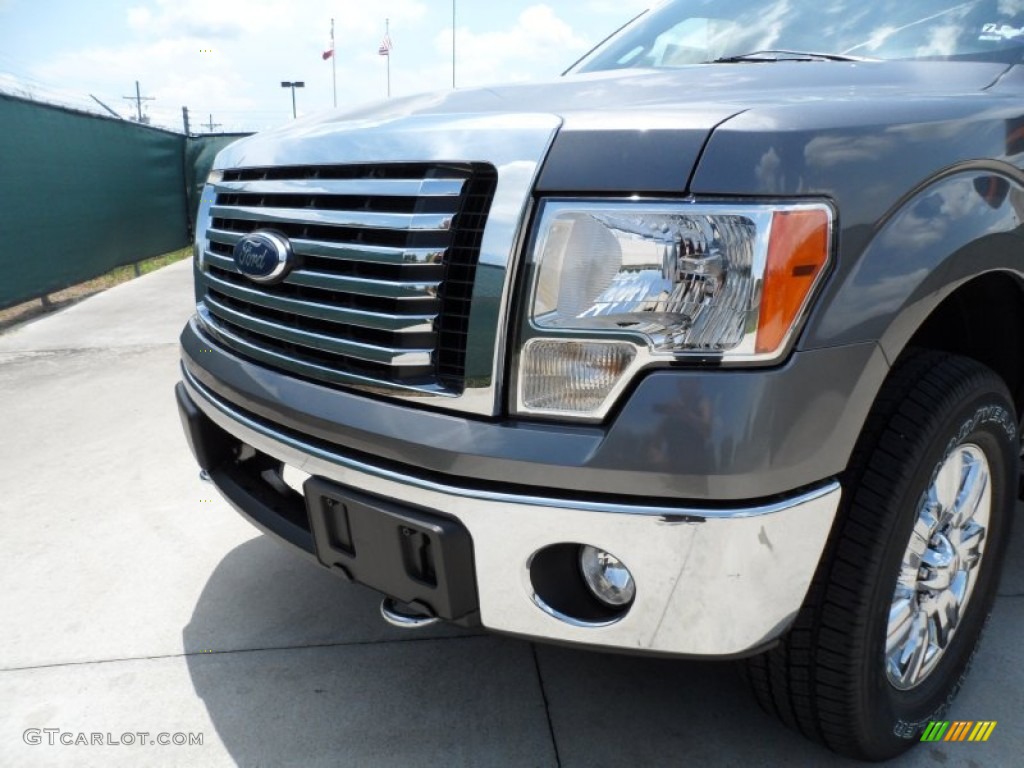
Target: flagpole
[453,45]
[387,36]
[334,67]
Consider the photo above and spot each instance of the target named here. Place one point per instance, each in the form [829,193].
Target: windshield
[684,32]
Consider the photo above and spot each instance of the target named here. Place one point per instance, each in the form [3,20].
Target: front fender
[961,224]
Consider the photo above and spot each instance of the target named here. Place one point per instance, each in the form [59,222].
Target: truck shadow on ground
[296,667]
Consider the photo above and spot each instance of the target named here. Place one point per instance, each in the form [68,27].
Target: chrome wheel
[940,566]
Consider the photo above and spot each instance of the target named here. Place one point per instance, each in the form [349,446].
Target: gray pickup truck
[713,347]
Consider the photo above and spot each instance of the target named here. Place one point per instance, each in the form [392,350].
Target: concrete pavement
[135,600]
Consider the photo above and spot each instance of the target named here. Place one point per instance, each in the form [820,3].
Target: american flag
[385,46]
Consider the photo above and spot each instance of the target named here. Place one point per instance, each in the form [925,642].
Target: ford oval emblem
[264,257]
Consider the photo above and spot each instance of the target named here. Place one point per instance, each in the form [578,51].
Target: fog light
[609,580]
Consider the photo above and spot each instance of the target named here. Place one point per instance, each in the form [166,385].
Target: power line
[273,112]
[17,68]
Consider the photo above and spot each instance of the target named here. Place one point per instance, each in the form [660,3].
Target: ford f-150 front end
[667,356]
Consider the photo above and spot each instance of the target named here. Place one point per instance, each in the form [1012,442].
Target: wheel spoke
[925,525]
[958,586]
[971,493]
[972,537]
[943,617]
[906,582]
[914,652]
[901,624]
[947,483]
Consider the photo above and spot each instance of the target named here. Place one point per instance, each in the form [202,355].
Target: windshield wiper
[785,55]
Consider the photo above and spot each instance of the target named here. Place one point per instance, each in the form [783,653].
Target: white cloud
[624,8]
[357,17]
[538,43]
[172,71]
[201,19]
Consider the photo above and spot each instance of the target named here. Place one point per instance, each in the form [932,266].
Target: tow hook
[403,619]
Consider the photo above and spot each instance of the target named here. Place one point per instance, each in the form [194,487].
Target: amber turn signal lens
[797,254]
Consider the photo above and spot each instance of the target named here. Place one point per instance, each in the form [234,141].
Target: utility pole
[184,117]
[138,98]
[211,125]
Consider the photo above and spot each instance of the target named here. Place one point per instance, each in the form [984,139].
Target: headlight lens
[684,281]
[672,278]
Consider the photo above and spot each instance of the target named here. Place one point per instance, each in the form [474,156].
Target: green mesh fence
[82,194]
[200,152]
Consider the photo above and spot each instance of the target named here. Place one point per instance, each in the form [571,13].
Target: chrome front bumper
[709,582]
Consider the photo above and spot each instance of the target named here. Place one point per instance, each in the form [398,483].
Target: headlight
[619,285]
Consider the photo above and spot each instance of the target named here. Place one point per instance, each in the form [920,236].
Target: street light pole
[293,86]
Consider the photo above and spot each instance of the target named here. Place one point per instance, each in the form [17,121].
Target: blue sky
[228,57]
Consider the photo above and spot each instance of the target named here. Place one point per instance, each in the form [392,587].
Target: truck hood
[649,127]
[710,89]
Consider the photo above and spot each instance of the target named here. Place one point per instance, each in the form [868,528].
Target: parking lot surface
[135,601]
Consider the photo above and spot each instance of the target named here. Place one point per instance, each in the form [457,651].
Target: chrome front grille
[387,256]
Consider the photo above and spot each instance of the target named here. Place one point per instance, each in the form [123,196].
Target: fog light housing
[607,578]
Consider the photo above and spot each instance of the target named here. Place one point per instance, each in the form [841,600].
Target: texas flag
[330,48]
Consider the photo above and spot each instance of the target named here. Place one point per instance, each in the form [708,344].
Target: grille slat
[371,254]
[311,369]
[387,289]
[324,343]
[379,298]
[414,222]
[356,187]
[361,318]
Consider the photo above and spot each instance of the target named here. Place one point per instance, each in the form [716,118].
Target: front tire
[903,592]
